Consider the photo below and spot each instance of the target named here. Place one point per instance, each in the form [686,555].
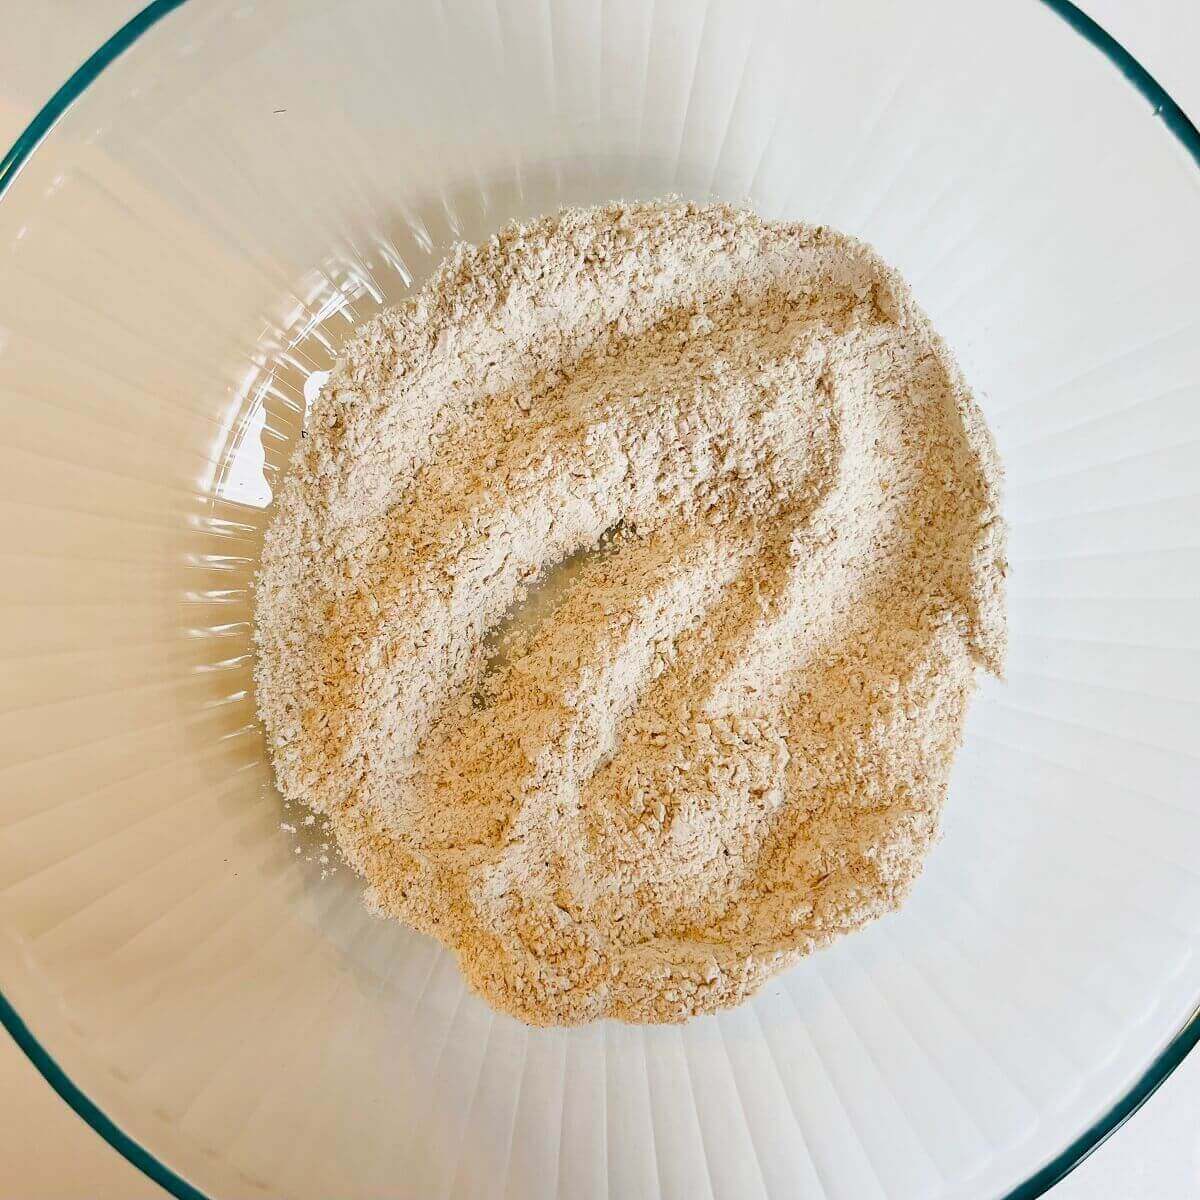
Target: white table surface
[48,1153]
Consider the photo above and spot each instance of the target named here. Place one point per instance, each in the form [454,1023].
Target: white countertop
[48,1153]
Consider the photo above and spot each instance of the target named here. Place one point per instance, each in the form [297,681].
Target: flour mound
[725,741]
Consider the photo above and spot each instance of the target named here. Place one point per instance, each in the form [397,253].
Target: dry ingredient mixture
[725,738]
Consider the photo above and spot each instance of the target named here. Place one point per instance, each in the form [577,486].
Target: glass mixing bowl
[189,231]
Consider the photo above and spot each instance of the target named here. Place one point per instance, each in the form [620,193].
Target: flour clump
[724,738]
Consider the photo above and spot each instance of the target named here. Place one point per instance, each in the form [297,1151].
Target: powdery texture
[727,741]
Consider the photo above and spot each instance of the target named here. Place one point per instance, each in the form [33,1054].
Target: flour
[726,740]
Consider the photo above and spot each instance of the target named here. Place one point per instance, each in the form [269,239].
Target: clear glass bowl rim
[1157,1071]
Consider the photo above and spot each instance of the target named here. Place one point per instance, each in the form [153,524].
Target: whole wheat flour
[726,740]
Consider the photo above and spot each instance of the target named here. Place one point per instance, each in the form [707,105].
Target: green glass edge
[58,1079]
[1165,108]
[10,166]
[76,85]
[1095,1135]
[1186,1040]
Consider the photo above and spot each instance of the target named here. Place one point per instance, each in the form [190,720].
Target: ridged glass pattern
[179,261]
